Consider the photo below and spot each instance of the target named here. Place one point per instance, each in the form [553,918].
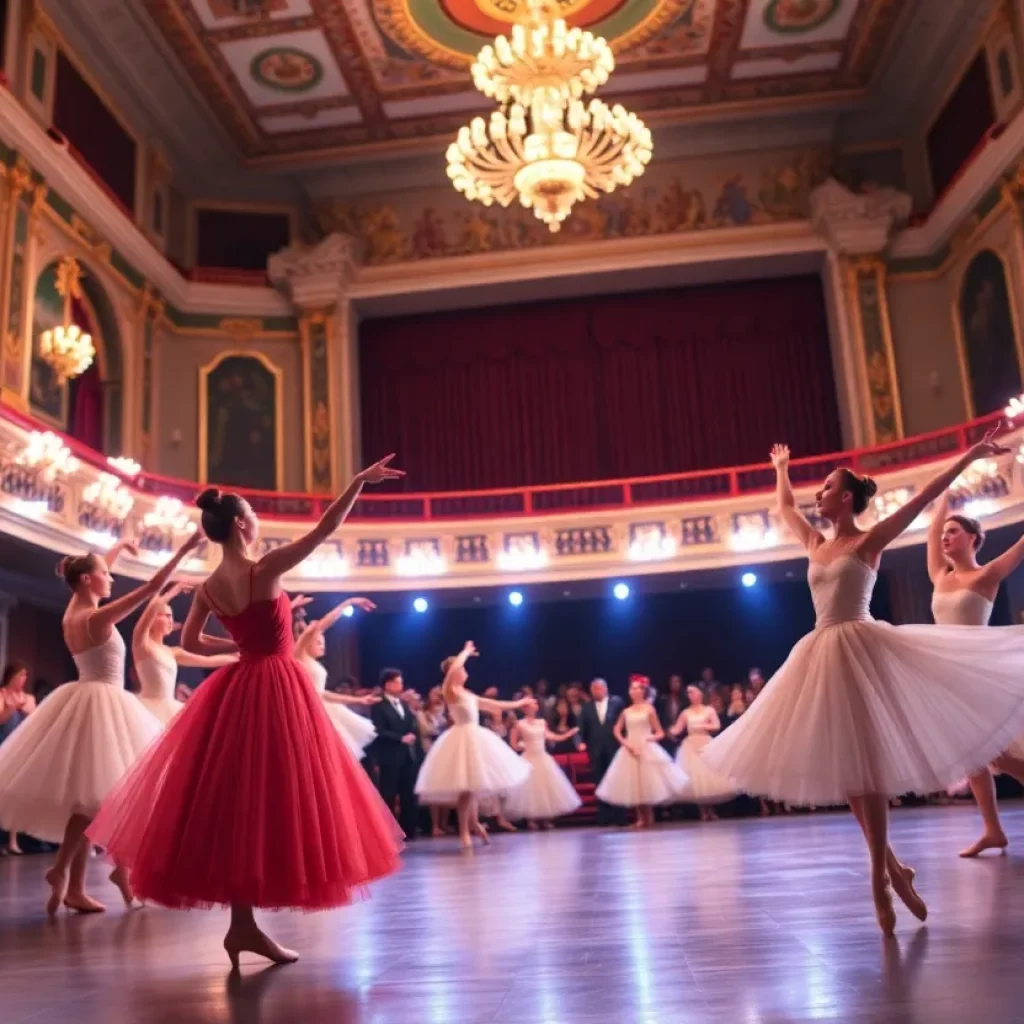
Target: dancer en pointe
[59,766]
[863,710]
[157,663]
[703,787]
[251,799]
[547,793]
[641,774]
[357,732]
[964,594]
[468,763]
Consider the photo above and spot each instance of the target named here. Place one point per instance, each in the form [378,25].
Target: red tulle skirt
[250,797]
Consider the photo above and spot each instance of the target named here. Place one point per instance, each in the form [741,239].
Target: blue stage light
[420,604]
[349,611]
[515,599]
[748,579]
[621,591]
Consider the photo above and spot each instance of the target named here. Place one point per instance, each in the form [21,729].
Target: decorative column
[150,311]
[858,229]
[317,279]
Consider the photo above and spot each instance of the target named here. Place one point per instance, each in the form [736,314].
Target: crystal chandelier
[67,348]
[545,145]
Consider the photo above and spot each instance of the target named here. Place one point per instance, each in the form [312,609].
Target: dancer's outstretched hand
[469,649]
[988,447]
[780,456]
[380,471]
[364,604]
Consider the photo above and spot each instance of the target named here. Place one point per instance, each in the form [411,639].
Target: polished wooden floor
[736,922]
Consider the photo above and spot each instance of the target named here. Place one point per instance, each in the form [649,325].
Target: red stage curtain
[85,397]
[607,386]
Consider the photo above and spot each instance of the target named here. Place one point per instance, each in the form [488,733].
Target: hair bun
[209,499]
[61,569]
[870,487]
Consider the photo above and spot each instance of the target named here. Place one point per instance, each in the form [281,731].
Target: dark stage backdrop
[599,387]
[565,641]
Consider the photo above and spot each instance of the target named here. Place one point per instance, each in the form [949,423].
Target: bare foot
[505,825]
[903,886]
[997,841]
[436,833]
[58,883]
[466,841]
[255,941]
[482,833]
[119,876]
[83,903]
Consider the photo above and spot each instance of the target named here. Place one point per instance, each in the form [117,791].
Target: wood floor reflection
[735,922]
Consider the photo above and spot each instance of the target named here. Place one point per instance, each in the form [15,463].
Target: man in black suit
[397,750]
[597,724]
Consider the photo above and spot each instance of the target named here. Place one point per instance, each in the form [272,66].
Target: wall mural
[240,430]
[986,322]
[419,226]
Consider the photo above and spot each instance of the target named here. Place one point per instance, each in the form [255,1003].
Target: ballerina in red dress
[250,798]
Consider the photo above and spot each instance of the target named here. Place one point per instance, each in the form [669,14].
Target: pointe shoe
[260,944]
[121,879]
[58,883]
[903,886]
[884,909]
[83,904]
[987,842]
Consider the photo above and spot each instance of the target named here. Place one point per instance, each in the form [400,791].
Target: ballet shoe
[80,903]
[884,911]
[482,833]
[903,886]
[58,883]
[120,878]
[986,842]
[260,944]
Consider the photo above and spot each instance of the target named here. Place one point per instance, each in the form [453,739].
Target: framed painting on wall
[240,428]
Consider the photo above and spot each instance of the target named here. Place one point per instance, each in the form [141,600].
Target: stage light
[621,591]
[515,599]
[748,579]
[349,611]
[420,604]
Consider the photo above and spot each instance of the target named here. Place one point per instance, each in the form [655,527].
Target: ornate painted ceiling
[294,78]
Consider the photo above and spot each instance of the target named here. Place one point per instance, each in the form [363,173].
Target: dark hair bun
[73,567]
[209,500]
[870,487]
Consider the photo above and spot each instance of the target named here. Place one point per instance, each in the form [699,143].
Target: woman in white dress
[56,769]
[703,787]
[357,732]
[964,594]
[641,774]
[862,710]
[547,793]
[156,663]
[469,763]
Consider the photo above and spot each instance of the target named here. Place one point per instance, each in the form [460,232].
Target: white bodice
[533,732]
[698,720]
[960,608]
[103,663]
[465,710]
[638,722]
[157,675]
[841,590]
[317,673]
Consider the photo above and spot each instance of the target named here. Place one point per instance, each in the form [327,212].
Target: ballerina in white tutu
[357,732]
[156,663]
[56,769]
[641,775]
[862,710]
[469,763]
[964,594]
[703,787]
[547,793]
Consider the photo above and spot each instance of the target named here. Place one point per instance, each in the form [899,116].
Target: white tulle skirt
[68,754]
[165,708]
[867,707]
[469,759]
[650,778]
[357,732]
[546,794]
[702,786]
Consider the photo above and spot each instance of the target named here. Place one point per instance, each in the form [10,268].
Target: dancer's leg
[873,816]
[1010,764]
[120,877]
[993,837]
[477,827]
[245,936]
[57,876]
[77,898]
[464,811]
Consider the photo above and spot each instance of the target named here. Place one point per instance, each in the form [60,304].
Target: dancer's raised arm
[455,674]
[937,567]
[319,626]
[790,514]
[284,558]
[884,533]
